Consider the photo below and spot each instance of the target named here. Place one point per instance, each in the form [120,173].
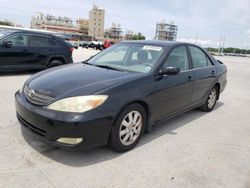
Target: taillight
[71,50]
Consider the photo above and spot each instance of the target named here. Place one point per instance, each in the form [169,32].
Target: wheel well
[217,85]
[57,58]
[146,108]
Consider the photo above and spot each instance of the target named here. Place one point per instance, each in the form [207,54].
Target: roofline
[159,42]
[26,29]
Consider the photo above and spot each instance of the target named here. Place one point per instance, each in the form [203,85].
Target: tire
[210,103]
[55,63]
[128,128]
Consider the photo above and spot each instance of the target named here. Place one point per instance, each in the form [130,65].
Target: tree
[7,23]
[230,50]
[138,36]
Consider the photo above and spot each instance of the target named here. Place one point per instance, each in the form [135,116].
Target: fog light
[71,141]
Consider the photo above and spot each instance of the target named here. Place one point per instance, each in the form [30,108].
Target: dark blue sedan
[115,96]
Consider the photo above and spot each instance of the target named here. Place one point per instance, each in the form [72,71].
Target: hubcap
[130,128]
[212,98]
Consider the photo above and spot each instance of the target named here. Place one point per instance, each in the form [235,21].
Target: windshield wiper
[102,66]
[109,67]
[87,63]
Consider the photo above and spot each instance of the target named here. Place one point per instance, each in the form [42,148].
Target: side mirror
[8,44]
[169,71]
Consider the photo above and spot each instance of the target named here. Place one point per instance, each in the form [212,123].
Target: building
[129,35]
[96,22]
[166,31]
[114,32]
[52,23]
[83,25]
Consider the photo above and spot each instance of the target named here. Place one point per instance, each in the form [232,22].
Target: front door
[17,55]
[174,92]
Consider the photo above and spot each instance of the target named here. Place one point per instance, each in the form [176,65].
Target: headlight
[78,104]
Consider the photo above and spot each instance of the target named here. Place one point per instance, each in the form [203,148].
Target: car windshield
[3,34]
[139,58]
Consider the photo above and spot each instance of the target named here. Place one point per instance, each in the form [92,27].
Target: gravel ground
[195,149]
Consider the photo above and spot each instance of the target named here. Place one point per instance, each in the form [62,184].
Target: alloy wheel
[130,128]
[212,98]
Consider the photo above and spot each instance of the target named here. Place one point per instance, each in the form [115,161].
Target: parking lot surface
[196,149]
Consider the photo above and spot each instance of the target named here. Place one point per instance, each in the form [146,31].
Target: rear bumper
[70,60]
[94,127]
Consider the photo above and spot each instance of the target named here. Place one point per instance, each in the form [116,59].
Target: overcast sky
[204,20]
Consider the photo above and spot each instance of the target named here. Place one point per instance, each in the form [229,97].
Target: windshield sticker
[147,68]
[155,48]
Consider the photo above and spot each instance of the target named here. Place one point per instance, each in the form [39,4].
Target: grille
[35,97]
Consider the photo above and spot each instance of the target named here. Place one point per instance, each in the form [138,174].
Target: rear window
[69,44]
[54,42]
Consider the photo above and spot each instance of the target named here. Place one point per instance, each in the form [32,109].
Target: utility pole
[234,49]
[196,37]
[220,44]
[223,44]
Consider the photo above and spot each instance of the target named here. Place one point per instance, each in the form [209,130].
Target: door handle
[213,72]
[190,78]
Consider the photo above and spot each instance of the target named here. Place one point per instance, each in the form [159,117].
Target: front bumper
[93,126]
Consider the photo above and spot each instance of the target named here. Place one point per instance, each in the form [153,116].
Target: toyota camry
[118,94]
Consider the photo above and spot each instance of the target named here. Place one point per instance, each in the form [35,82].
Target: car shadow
[17,73]
[102,154]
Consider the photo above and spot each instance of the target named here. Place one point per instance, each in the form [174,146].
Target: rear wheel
[128,128]
[211,100]
[55,63]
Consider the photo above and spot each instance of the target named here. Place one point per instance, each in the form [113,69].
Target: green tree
[7,23]
[139,36]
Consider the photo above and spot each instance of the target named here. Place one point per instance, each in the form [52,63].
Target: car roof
[155,42]
[33,32]
[7,31]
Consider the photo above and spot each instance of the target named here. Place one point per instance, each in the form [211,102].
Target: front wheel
[128,128]
[211,100]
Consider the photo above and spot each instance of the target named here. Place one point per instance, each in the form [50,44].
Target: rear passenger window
[39,41]
[199,58]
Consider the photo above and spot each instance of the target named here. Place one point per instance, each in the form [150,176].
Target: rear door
[19,55]
[43,48]
[204,73]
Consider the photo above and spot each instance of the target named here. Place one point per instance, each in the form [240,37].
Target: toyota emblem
[31,93]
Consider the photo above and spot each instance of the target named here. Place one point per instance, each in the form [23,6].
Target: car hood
[76,79]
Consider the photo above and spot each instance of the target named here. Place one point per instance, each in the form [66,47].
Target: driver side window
[178,58]
[18,40]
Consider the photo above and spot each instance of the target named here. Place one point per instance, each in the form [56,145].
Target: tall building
[83,25]
[166,31]
[96,22]
[114,32]
[52,23]
[129,35]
